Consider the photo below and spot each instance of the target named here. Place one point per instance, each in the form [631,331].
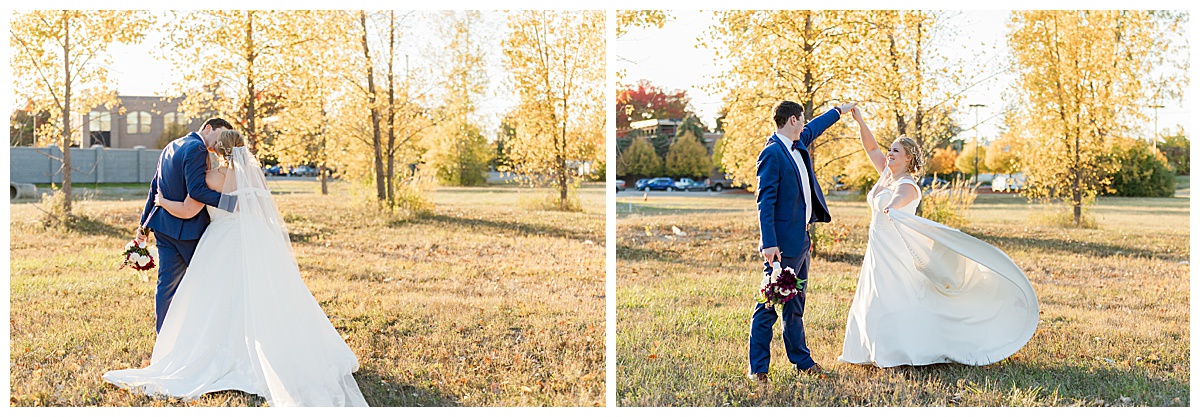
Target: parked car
[659,184]
[1005,182]
[640,182]
[303,171]
[718,184]
[930,182]
[687,184]
[272,170]
[620,185]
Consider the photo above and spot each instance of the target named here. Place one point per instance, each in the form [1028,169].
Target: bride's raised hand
[856,113]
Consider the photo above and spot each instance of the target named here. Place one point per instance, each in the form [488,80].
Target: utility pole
[1154,137]
[976,127]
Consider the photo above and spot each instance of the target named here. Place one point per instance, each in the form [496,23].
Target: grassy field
[1114,304]
[483,303]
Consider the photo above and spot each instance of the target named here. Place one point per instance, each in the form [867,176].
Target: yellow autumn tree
[899,74]
[639,18]
[458,150]
[801,56]
[1084,75]
[60,67]
[942,161]
[303,134]
[241,64]
[972,160]
[556,60]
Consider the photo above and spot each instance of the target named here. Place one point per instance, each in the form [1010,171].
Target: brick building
[141,124]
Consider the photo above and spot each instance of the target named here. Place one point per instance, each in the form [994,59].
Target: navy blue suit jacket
[181,168]
[780,205]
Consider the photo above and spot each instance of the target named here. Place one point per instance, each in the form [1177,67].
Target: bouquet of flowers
[137,256]
[780,286]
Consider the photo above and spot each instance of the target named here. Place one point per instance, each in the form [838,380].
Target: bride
[928,293]
[242,319]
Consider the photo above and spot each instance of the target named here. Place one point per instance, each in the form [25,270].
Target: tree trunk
[562,179]
[391,125]
[322,173]
[251,127]
[919,116]
[66,128]
[809,104]
[380,191]
[897,94]
[1077,188]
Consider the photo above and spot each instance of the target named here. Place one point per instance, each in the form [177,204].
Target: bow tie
[795,145]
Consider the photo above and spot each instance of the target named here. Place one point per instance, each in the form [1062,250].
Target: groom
[181,170]
[789,198]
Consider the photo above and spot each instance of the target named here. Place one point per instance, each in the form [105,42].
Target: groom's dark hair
[216,123]
[785,110]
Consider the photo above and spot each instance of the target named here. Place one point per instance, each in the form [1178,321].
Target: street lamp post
[1154,137]
[976,108]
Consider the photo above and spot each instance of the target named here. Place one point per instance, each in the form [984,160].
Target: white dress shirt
[804,182]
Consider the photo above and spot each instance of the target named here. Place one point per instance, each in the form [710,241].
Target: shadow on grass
[89,226]
[1071,382]
[849,258]
[379,391]
[226,397]
[493,226]
[642,253]
[1076,247]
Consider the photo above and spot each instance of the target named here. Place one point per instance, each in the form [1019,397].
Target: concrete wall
[89,165]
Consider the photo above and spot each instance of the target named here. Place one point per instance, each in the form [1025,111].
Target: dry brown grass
[1114,304]
[482,303]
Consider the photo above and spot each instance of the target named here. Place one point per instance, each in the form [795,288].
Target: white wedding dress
[242,319]
[929,294]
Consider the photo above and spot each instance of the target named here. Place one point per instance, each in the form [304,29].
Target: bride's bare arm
[906,193]
[868,141]
[185,209]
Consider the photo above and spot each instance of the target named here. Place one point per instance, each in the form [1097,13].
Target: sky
[670,59]
[138,72]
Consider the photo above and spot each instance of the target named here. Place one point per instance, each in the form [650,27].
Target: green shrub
[1141,172]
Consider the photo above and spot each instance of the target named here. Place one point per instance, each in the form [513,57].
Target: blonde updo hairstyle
[228,140]
[916,161]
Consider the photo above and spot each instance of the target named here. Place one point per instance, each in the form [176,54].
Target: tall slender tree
[1085,76]
[557,66]
[799,56]
[459,151]
[59,64]
[239,63]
